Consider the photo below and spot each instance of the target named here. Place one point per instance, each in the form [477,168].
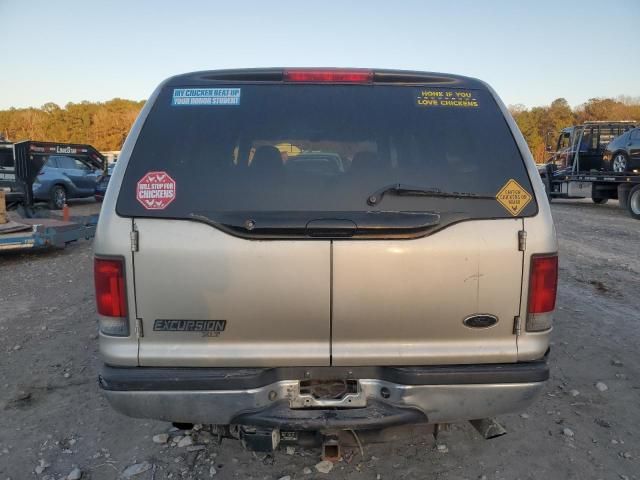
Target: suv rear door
[404,302]
[69,168]
[267,303]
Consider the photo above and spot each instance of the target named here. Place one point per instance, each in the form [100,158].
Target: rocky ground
[54,424]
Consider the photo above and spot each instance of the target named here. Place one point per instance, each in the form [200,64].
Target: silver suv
[240,287]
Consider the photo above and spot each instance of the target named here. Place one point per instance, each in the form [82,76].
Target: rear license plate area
[336,393]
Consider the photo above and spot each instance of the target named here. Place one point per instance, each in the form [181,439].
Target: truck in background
[577,169]
[587,143]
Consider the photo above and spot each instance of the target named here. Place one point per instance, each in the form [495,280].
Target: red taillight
[543,283]
[110,287]
[330,75]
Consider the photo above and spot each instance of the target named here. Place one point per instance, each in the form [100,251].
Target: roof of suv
[278,75]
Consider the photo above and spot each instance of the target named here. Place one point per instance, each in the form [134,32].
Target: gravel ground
[53,419]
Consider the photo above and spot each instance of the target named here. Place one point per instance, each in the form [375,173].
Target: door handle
[329,227]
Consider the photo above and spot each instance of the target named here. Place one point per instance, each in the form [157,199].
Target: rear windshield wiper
[401,189]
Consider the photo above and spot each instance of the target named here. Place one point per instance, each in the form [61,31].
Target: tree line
[105,124]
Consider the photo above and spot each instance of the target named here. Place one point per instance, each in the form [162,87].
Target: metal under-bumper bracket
[374,416]
[331,442]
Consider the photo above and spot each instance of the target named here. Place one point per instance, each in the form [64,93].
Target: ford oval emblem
[480,321]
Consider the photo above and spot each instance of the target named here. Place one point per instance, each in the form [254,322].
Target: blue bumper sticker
[188,97]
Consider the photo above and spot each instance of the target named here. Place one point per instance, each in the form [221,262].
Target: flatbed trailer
[39,233]
[20,164]
[572,181]
[599,186]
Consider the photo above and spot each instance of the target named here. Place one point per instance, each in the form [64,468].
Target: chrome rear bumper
[391,402]
[439,403]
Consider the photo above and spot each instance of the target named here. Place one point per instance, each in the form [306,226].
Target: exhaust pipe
[488,427]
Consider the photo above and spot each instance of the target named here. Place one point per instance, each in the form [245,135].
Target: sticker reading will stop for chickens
[156,190]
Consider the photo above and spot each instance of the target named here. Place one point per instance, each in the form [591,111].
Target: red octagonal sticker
[156,190]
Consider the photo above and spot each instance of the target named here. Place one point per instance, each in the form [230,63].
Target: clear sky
[530,52]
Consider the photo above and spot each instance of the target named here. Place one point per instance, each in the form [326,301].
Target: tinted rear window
[311,148]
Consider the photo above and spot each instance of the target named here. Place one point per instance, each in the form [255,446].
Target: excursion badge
[208,328]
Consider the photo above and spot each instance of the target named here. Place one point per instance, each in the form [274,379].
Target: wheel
[623,195]
[633,205]
[57,197]
[600,201]
[619,162]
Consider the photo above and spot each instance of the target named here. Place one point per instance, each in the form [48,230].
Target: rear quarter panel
[541,238]
[113,239]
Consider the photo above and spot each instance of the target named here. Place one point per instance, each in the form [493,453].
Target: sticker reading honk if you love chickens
[156,190]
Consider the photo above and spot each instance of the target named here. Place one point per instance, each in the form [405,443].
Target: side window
[52,162]
[6,158]
[80,165]
[588,140]
[564,141]
[635,135]
[608,134]
[66,162]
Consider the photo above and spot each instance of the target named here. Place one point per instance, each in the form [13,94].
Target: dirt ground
[52,415]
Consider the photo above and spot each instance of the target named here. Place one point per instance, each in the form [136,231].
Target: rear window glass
[275,147]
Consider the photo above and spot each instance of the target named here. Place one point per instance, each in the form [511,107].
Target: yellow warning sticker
[513,197]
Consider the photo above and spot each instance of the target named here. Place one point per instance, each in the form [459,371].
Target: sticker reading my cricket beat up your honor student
[428,97]
[205,97]
[513,197]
